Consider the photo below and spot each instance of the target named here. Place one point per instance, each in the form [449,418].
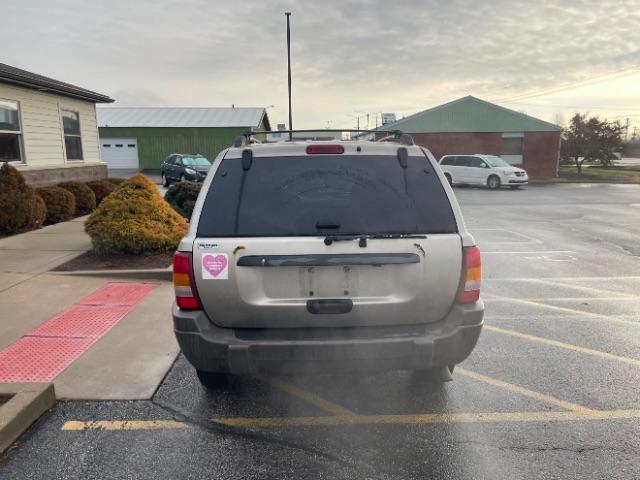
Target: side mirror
[483,165]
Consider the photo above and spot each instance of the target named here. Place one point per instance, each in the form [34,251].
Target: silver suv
[326,256]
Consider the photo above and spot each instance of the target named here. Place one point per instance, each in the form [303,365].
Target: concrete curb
[162,274]
[26,403]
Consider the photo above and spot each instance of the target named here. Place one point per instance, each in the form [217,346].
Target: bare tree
[587,139]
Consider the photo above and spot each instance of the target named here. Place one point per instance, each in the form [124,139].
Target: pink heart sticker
[214,264]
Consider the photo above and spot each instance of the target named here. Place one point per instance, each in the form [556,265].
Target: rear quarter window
[291,196]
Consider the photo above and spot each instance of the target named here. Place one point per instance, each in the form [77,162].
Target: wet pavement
[551,390]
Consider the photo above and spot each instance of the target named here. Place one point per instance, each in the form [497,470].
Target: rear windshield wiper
[329,239]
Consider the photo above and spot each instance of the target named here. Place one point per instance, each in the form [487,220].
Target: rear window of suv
[291,196]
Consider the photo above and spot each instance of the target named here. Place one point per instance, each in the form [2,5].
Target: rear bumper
[253,351]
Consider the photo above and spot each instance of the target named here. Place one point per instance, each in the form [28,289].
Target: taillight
[471,275]
[183,283]
[324,149]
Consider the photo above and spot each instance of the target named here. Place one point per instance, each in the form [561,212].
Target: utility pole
[288,14]
[626,131]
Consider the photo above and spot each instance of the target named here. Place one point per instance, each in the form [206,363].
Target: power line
[582,83]
[577,107]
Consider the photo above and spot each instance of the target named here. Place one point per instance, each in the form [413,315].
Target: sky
[349,57]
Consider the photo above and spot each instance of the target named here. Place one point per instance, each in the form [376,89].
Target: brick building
[470,125]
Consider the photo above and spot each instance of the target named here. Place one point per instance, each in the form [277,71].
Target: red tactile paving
[118,294]
[42,354]
[37,359]
[81,321]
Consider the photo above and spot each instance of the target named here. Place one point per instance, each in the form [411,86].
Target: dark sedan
[178,167]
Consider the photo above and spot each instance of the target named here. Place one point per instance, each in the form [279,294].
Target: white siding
[41,125]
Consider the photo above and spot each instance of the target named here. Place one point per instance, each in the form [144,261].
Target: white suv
[326,256]
[487,170]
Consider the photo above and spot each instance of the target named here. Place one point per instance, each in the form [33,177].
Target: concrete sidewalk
[29,254]
[129,361]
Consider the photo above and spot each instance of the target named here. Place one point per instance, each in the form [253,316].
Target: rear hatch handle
[327,260]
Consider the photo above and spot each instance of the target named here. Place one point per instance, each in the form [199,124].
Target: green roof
[470,114]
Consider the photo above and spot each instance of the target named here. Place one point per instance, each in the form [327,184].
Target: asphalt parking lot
[551,390]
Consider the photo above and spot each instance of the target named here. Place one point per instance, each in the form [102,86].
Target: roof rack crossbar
[392,135]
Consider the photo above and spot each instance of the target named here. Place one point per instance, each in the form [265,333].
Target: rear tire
[493,182]
[212,380]
[449,179]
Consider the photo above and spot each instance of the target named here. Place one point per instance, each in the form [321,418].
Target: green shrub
[182,196]
[135,219]
[17,202]
[101,188]
[61,204]
[85,198]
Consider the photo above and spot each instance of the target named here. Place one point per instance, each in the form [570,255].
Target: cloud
[347,55]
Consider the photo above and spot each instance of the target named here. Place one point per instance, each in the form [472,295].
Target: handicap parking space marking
[563,345]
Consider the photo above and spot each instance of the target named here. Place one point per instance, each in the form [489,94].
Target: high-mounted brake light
[183,282]
[471,275]
[324,149]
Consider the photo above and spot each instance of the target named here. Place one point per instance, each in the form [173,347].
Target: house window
[10,132]
[72,140]
[512,148]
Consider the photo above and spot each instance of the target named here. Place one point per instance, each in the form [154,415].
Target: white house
[48,128]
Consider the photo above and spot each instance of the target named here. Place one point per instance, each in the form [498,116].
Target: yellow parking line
[346,420]
[566,310]
[308,397]
[489,298]
[547,281]
[429,418]
[567,346]
[123,425]
[523,391]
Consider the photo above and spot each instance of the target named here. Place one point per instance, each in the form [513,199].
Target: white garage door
[119,152]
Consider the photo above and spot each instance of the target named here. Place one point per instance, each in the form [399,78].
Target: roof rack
[392,135]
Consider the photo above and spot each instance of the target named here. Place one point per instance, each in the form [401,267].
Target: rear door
[463,168]
[478,171]
[274,244]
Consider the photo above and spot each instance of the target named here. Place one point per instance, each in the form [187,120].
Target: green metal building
[470,125]
[141,138]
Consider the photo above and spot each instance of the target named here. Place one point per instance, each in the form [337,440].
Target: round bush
[101,188]
[116,181]
[135,219]
[85,198]
[17,201]
[38,213]
[61,204]
[182,196]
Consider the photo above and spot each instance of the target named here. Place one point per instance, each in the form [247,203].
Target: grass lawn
[600,174]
